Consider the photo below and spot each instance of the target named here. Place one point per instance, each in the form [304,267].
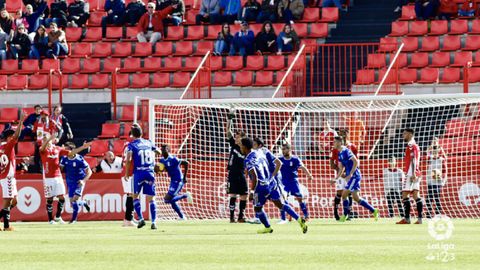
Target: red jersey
[51,161]
[411,159]
[334,153]
[124,160]
[43,129]
[7,159]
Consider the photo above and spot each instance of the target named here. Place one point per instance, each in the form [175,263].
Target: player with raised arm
[141,156]
[77,173]
[172,165]
[263,187]
[290,166]
[349,164]
[127,185]
[236,182]
[52,177]
[7,172]
[411,184]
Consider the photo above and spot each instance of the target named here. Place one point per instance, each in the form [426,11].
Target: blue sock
[366,205]
[177,209]
[283,215]
[346,207]
[75,211]
[303,206]
[153,211]
[287,208]
[263,218]
[138,208]
[179,197]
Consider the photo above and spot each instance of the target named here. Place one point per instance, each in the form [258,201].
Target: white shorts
[340,184]
[409,186]
[9,187]
[127,185]
[53,187]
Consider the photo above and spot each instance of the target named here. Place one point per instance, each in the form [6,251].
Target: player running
[77,173]
[141,156]
[172,165]
[263,187]
[349,164]
[411,184]
[7,172]
[52,177]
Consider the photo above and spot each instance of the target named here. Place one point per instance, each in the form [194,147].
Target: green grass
[211,245]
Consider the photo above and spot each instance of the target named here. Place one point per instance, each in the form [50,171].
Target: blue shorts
[75,189]
[264,193]
[354,183]
[144,182]
[175,188]
[293,188]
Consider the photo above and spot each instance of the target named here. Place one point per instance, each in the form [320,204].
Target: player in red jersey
[127,186]
[7,172]
[52,177]
[340,181]
[411,184]
[44,127]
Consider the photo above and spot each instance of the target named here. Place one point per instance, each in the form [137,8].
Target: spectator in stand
[57,43]
[34,17]
[335,3]
[109,164]
[469,9]
[425,9]
[58,13]
[209,12]
[287,40]
[36,4]
[150,27]
[60,120]
[265,42]
[176,18]
[78,13]
[290,10]
[250,11]
[229,10]
[448,9]
[20,44]
[243,41]
[115,14]
[4,37]
[268,11]
[29,122]
[224,42]
[40,43]
[19,20]
[134,12]
[6,22]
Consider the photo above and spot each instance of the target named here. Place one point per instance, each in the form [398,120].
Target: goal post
[447,127]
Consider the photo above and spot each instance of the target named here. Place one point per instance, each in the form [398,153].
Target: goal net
[447,128]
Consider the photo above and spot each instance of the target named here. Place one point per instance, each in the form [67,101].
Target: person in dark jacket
[34,17]
[58,13]
[29,122]
[268,11]
[6,22]
[224,42]
[176,18]
[250,11]
[266,40]
[209,12]
[425,9]
[78,13]
[243,41]
[20,44]
[287,40]
[135,11]
[40,43]
[115,14]
[36,4]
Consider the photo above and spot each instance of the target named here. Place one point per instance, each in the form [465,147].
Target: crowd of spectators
[441,9]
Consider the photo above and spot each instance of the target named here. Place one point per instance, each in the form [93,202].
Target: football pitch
[362,244]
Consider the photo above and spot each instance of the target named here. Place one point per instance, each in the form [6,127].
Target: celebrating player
[290,166]
[127,185]
[237,184]
[52,177]
[77,172]
[7,172]
[177,180]
[141,155]
[411,185]
[349,164]
[263,187]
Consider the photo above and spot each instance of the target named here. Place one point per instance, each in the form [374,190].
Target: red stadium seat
[475,27]
[311,15]
[110,130]
[318,30]
[131,65]
[123,80]
[365,76]
[102,49]
[263,78]
[329,14]
[192,63]
[91,65]
[131,34]
[455,128]
[127,113]
[160,80]
[172,64]
[279,76]
[387,44]
[430,44]
[256,28]
[410,44]
[71,65]
[402,60]
[122,49]
[73,34]
[95,19]
[438,27]
[391,78]
[474,75]
[174,33]
[190,17]
[38,81]
[127,127]
[180,79]
[458,27]
[462,58]
[152,64]
[79,81]
[419,60]
[183,48]
[407,76]
[99,148]
[472,43]
[110,64]
[212,31]
[25,149]
[418,28]
[203,47]
[428,75]
[140,80]
[93,34]
[440,59]
[92,161]
[3,82]
[275,62]
[376,60]
[57,83]
[30,66]
[473,127]
[8,115]
[17,82]
[408,13]
[450,75]
[13,5]
[118,147]
[163,48]
[222,78]
[254,62]
[477,59]
[114,32]
[399,28]
[143,49]
[81,50]
[216,63]
[234,63]
[9,66]
[243,78]
[48,64]
[195,32]
[99,81]
[451,43]
[301,29]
